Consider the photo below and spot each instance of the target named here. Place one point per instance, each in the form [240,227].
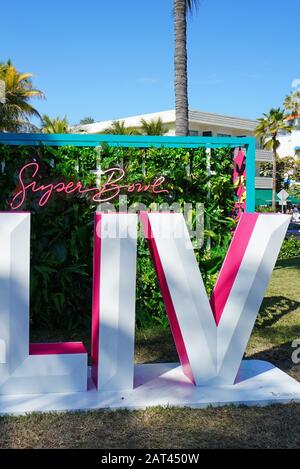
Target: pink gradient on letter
[232,263]
[57,348]
[96,298]
[175,328]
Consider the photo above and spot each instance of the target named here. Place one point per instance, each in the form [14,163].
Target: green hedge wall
[62,231]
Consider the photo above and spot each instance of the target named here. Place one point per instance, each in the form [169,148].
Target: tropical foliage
[292,103]
[119,128]
[285,165]
[268,130]
[62,231]
[54,126]
[290,248]
[153,127]
[19,90]
[87,120]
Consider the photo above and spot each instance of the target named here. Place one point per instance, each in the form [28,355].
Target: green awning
[293,200]
[264,197]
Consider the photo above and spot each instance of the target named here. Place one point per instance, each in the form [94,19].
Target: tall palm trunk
[180,68]
[274,175]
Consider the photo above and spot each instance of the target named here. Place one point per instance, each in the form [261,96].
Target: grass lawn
[227,427]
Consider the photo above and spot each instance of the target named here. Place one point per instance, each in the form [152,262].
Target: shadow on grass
[228,427]
[293,263]
[273,308]
[155,346]
[280,356]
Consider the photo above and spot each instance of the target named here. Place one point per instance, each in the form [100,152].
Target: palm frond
[153,127]
[192,4]
[270,125]
[55,125]
[19,90]
[119,128]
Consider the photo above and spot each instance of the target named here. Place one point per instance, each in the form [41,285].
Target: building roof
[222,120]
[168,117]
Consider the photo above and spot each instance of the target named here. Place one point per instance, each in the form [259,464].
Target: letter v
[211,338]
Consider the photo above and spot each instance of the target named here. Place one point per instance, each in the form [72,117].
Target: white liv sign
[210,336]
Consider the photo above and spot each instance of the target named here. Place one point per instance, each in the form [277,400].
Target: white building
[290,143]
[200,123]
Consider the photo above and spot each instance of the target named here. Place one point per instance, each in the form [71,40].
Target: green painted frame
[92,140]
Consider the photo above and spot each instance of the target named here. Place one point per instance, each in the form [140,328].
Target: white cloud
[296,83]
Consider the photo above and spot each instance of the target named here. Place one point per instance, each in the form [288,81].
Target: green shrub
[62,231]
[290,248]
[263,209]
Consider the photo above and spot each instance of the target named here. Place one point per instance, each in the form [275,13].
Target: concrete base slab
[164,384]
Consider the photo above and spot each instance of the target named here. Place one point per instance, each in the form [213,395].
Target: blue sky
[113,59]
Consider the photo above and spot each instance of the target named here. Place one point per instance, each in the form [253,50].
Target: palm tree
[152,127]
[16,110]
[54,126]
[87,120]
[268,129]
[292,103]
[118,128]
[181,8]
